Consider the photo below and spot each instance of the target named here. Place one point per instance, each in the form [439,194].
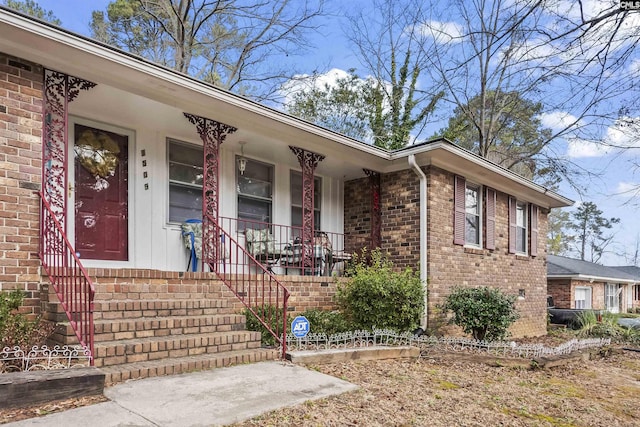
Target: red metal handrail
[68,277]
[249,279]
[326,249]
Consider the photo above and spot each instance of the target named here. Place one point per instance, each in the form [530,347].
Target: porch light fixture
[242,162]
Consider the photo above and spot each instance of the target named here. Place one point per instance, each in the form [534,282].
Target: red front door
[101,199]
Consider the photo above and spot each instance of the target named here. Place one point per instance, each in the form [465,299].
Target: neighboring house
[634,294]
[576,284]
[124,151]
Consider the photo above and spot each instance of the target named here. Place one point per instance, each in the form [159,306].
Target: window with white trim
[255,194]
[185,181]
[521,227]
[473,220]
[582,298]
[612,293]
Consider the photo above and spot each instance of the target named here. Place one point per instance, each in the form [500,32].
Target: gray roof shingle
[563,266]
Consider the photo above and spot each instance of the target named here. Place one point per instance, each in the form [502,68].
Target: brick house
[577,284]
[105,157]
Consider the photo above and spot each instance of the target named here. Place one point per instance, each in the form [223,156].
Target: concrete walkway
[207,398]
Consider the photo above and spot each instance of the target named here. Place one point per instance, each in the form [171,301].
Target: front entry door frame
[70,191]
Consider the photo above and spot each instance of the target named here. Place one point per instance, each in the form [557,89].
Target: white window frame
[586,303]
[522,227]
[170,182]
[478,189]
[612,291]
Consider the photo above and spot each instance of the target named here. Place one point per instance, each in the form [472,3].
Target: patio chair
[261,245]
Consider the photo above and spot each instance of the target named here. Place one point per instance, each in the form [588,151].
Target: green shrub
[589,325]
[375,295]
[327,322]
[485,313]
[274,320]
[16,330]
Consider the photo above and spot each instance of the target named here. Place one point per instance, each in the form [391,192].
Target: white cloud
[626,188]
[442,32]
[305,82]
[580,148]
[624,133]
[559,120]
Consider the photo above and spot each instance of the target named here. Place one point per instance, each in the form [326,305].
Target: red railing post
[68,277]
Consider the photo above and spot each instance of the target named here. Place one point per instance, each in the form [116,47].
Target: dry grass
[430,392]
[441,392]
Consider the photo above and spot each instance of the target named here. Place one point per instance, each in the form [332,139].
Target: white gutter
[423,236]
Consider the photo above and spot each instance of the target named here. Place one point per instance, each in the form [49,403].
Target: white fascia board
[133,63]
[485,164]
[586,278]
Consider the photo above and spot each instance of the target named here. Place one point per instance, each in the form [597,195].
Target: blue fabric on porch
[192,236]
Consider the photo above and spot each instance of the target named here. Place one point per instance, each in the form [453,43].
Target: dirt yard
[435,392]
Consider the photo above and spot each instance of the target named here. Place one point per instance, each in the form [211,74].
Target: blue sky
[333,52]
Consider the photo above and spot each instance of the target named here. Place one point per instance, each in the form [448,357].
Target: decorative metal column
[308,162]
[213,135]
[59,90]
[376,209]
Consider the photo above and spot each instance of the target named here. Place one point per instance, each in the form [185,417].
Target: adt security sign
[300,327]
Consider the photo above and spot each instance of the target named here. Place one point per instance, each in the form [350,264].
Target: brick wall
[357,213]
[451,265]
[448,264]
[20,176]
[561,292]
[113,284]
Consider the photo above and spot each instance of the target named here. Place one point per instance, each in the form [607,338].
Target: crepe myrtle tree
[485,313]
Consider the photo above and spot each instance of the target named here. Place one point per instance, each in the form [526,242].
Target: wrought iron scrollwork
[59,90]
[308,162]
[213,134]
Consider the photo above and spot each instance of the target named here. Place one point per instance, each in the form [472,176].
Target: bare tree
[230,43]
[482,49]
[388,45]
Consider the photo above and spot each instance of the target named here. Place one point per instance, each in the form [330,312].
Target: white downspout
[423,235]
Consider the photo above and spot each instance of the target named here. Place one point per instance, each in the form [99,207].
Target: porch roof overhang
[64,51]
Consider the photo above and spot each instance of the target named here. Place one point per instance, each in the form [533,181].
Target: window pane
[471,200]
[256,180]
[472,229]
[185,186]
[521,239]
[296,189]
[472,207]
[188,174]
[185,154]
[520,214]
[184,203]
[255,210]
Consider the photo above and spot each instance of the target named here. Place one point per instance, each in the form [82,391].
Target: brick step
[171,366]
[131,309]
[143,327]
[152,348]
